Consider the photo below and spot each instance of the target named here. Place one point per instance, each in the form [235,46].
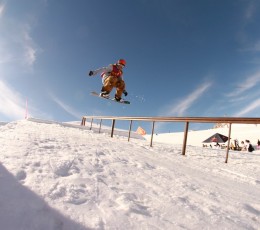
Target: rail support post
[113,127]
[185,138]
[91,123]
[130,127]
[229,133]
[151,143]
[83,122]
[100,125]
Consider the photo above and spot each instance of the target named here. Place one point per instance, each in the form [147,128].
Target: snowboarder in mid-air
[112,76]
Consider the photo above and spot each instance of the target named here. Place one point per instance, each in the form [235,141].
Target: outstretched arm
[101,70]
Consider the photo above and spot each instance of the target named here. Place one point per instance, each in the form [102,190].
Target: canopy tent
[217,137]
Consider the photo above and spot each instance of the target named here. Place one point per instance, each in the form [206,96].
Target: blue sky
[184,57]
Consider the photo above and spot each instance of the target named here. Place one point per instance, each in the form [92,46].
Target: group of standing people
[247,146]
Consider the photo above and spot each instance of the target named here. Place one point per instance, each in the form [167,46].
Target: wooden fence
[187,120]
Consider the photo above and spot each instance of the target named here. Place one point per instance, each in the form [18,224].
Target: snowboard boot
[118,98]
[104,94]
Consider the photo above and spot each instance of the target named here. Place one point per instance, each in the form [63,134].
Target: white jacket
[103,71]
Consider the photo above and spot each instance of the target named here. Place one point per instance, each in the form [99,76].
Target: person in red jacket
[112,76]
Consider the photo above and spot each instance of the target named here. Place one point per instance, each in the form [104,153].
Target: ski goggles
[121,65]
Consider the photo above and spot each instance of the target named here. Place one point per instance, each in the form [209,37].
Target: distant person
[217,145]
[243,146]
[236,144]
[249,146]
[232,146]
[112,76]
[258,144]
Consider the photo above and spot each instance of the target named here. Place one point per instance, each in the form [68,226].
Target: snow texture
[62,176]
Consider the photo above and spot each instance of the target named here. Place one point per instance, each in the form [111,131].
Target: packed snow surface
[55,176]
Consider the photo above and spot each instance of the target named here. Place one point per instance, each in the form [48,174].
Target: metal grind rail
[187,120]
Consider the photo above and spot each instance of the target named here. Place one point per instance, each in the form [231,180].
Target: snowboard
[109,98]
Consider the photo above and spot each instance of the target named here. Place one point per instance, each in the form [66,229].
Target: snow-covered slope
[55,176]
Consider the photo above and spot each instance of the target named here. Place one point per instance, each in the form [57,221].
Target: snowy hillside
[57,176]
[240,132]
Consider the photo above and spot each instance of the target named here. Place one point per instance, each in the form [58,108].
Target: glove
[90,73]
[125,93]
